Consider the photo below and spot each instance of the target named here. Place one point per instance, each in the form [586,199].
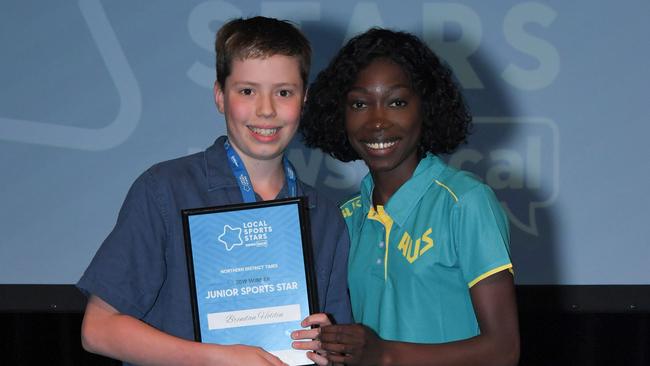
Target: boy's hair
[445,118]
[260,37]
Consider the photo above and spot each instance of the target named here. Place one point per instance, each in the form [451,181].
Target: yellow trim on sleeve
[350,200]
[348,208]
[490,273]
[447,188]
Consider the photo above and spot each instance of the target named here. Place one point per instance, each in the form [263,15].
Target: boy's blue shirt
[140,269]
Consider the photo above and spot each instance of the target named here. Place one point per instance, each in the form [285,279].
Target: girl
[429,271]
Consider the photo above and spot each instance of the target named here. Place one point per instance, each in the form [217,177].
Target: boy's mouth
[264,131]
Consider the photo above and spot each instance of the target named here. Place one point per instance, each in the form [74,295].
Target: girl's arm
[498,344]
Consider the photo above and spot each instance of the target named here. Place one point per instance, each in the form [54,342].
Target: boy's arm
[337,302]
[108,332]
[498,344]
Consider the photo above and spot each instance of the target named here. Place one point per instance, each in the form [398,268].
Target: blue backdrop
[93,92]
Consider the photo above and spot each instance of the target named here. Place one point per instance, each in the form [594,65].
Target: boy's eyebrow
[286,84]
[252,83]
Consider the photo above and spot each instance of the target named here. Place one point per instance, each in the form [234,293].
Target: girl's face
[383,119]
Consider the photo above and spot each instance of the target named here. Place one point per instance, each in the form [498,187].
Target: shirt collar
[217,171]
[408,196]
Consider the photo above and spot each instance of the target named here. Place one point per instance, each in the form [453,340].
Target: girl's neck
[384,188]
[388,182]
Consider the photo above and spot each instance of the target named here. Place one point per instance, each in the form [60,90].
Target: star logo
[231,237]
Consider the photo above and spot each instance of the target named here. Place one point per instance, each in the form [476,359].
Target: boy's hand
[351,344]
[238,354]
[308,338]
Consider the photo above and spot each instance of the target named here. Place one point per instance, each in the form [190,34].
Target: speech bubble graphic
[92,139]
[524,172]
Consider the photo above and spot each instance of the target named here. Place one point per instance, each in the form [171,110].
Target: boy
[139,306]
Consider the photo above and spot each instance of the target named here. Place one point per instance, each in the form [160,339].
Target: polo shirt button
[378,260]
[381,244]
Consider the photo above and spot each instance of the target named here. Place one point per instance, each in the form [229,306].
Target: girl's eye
[246,91]
[357,104]
[285,93]
[398,103]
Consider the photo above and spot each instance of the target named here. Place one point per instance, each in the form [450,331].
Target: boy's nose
[265,107]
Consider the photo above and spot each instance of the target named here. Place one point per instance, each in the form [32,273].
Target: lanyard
[244,181]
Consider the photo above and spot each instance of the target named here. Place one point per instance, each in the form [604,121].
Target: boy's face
[261,101]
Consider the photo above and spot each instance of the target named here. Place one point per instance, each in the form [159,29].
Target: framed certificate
[251,274]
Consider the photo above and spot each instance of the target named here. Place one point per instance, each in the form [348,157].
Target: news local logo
[254,233]
[523,172]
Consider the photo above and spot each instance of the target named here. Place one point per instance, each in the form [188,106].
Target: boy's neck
[267,176]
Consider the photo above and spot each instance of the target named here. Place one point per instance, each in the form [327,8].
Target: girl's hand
[352,344]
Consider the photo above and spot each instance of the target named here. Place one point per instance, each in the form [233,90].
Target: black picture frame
[222,215]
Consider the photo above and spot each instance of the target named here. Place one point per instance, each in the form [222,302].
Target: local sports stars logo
[231,237]
[250,234]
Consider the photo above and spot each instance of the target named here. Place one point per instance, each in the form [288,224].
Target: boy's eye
[399,103]
[246,91]
[285,93]
[357,104]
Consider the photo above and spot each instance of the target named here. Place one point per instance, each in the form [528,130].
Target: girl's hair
[446,120]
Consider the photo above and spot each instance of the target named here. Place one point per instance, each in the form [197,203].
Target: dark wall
[558,327]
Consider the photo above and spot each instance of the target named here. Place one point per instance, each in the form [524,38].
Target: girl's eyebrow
[367,91]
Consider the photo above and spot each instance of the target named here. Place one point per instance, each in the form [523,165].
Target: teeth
[264,131]
[380,145]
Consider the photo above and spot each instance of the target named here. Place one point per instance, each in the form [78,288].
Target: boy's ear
[304,98]
[218,97]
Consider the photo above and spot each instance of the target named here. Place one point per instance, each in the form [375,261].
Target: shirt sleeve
[128,270]
[482,236]
[331,248]
[338,298]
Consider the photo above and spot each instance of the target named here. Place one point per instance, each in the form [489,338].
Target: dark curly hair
[446,120]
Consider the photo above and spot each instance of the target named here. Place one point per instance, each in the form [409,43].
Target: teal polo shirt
[413,261]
